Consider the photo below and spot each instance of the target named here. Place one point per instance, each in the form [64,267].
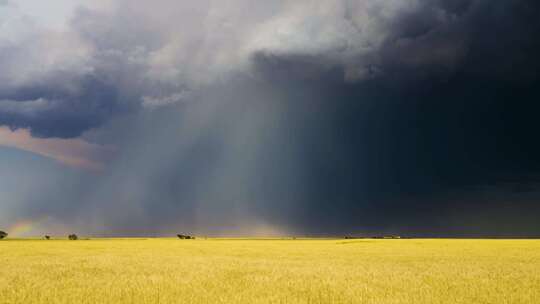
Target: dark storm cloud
[110,61]
[412,117]
[50,112]
[451,110]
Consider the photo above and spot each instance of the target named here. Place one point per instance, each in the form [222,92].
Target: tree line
[74,237]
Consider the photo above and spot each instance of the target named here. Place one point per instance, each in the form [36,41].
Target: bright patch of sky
[50,13]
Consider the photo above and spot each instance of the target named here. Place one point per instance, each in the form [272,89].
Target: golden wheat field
[269,271]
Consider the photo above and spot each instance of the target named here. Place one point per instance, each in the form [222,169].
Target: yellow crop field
[269,271]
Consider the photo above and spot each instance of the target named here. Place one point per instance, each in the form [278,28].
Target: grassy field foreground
[269,271]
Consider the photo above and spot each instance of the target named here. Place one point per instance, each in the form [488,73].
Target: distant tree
[185,237]
[3,235]
[47,237]
[73,237]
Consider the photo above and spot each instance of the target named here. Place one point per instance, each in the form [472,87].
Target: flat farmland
[270,271]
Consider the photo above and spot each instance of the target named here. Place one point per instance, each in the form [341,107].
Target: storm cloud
[111,61]
[310,117]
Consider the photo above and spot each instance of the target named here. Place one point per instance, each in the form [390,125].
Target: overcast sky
[413,117]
